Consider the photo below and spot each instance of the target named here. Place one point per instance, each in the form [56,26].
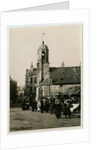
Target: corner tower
[43,62]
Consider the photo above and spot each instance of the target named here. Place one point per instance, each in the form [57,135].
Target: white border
[20,4]
[49,137]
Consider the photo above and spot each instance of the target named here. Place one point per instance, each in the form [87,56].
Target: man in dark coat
[42,105]
[52,104]
[58,108]
[34,105]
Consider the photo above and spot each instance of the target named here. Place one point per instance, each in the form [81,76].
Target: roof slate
[61,75]
[65,75]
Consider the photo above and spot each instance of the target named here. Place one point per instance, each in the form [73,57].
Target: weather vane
[43,36]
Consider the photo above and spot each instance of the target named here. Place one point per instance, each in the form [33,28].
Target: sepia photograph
[45,77]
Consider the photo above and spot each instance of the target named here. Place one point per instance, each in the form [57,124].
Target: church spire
[31,64]
[62,65]
[31,67]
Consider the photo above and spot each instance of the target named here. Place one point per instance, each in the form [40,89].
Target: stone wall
[56,89]
[46,71]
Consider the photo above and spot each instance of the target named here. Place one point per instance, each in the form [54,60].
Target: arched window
[35,79]
[43,55]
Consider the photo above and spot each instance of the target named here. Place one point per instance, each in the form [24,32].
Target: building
[46,81]
[20,91]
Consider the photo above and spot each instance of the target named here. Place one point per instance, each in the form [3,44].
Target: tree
[13,90]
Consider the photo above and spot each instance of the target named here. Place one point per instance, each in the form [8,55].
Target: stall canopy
[74,91]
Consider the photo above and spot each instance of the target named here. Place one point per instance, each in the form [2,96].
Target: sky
[64,43]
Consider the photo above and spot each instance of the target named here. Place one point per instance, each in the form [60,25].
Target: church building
[45,81]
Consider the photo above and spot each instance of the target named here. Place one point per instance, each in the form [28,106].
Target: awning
[73,91]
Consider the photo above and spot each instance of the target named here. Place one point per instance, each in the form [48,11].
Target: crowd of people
[54,105]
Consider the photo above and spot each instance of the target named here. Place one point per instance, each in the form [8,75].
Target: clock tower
[43,62]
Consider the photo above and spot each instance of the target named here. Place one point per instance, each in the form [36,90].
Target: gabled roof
[61,75]
[65,75]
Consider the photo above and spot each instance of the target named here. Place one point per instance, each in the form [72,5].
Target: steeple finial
[42,37]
